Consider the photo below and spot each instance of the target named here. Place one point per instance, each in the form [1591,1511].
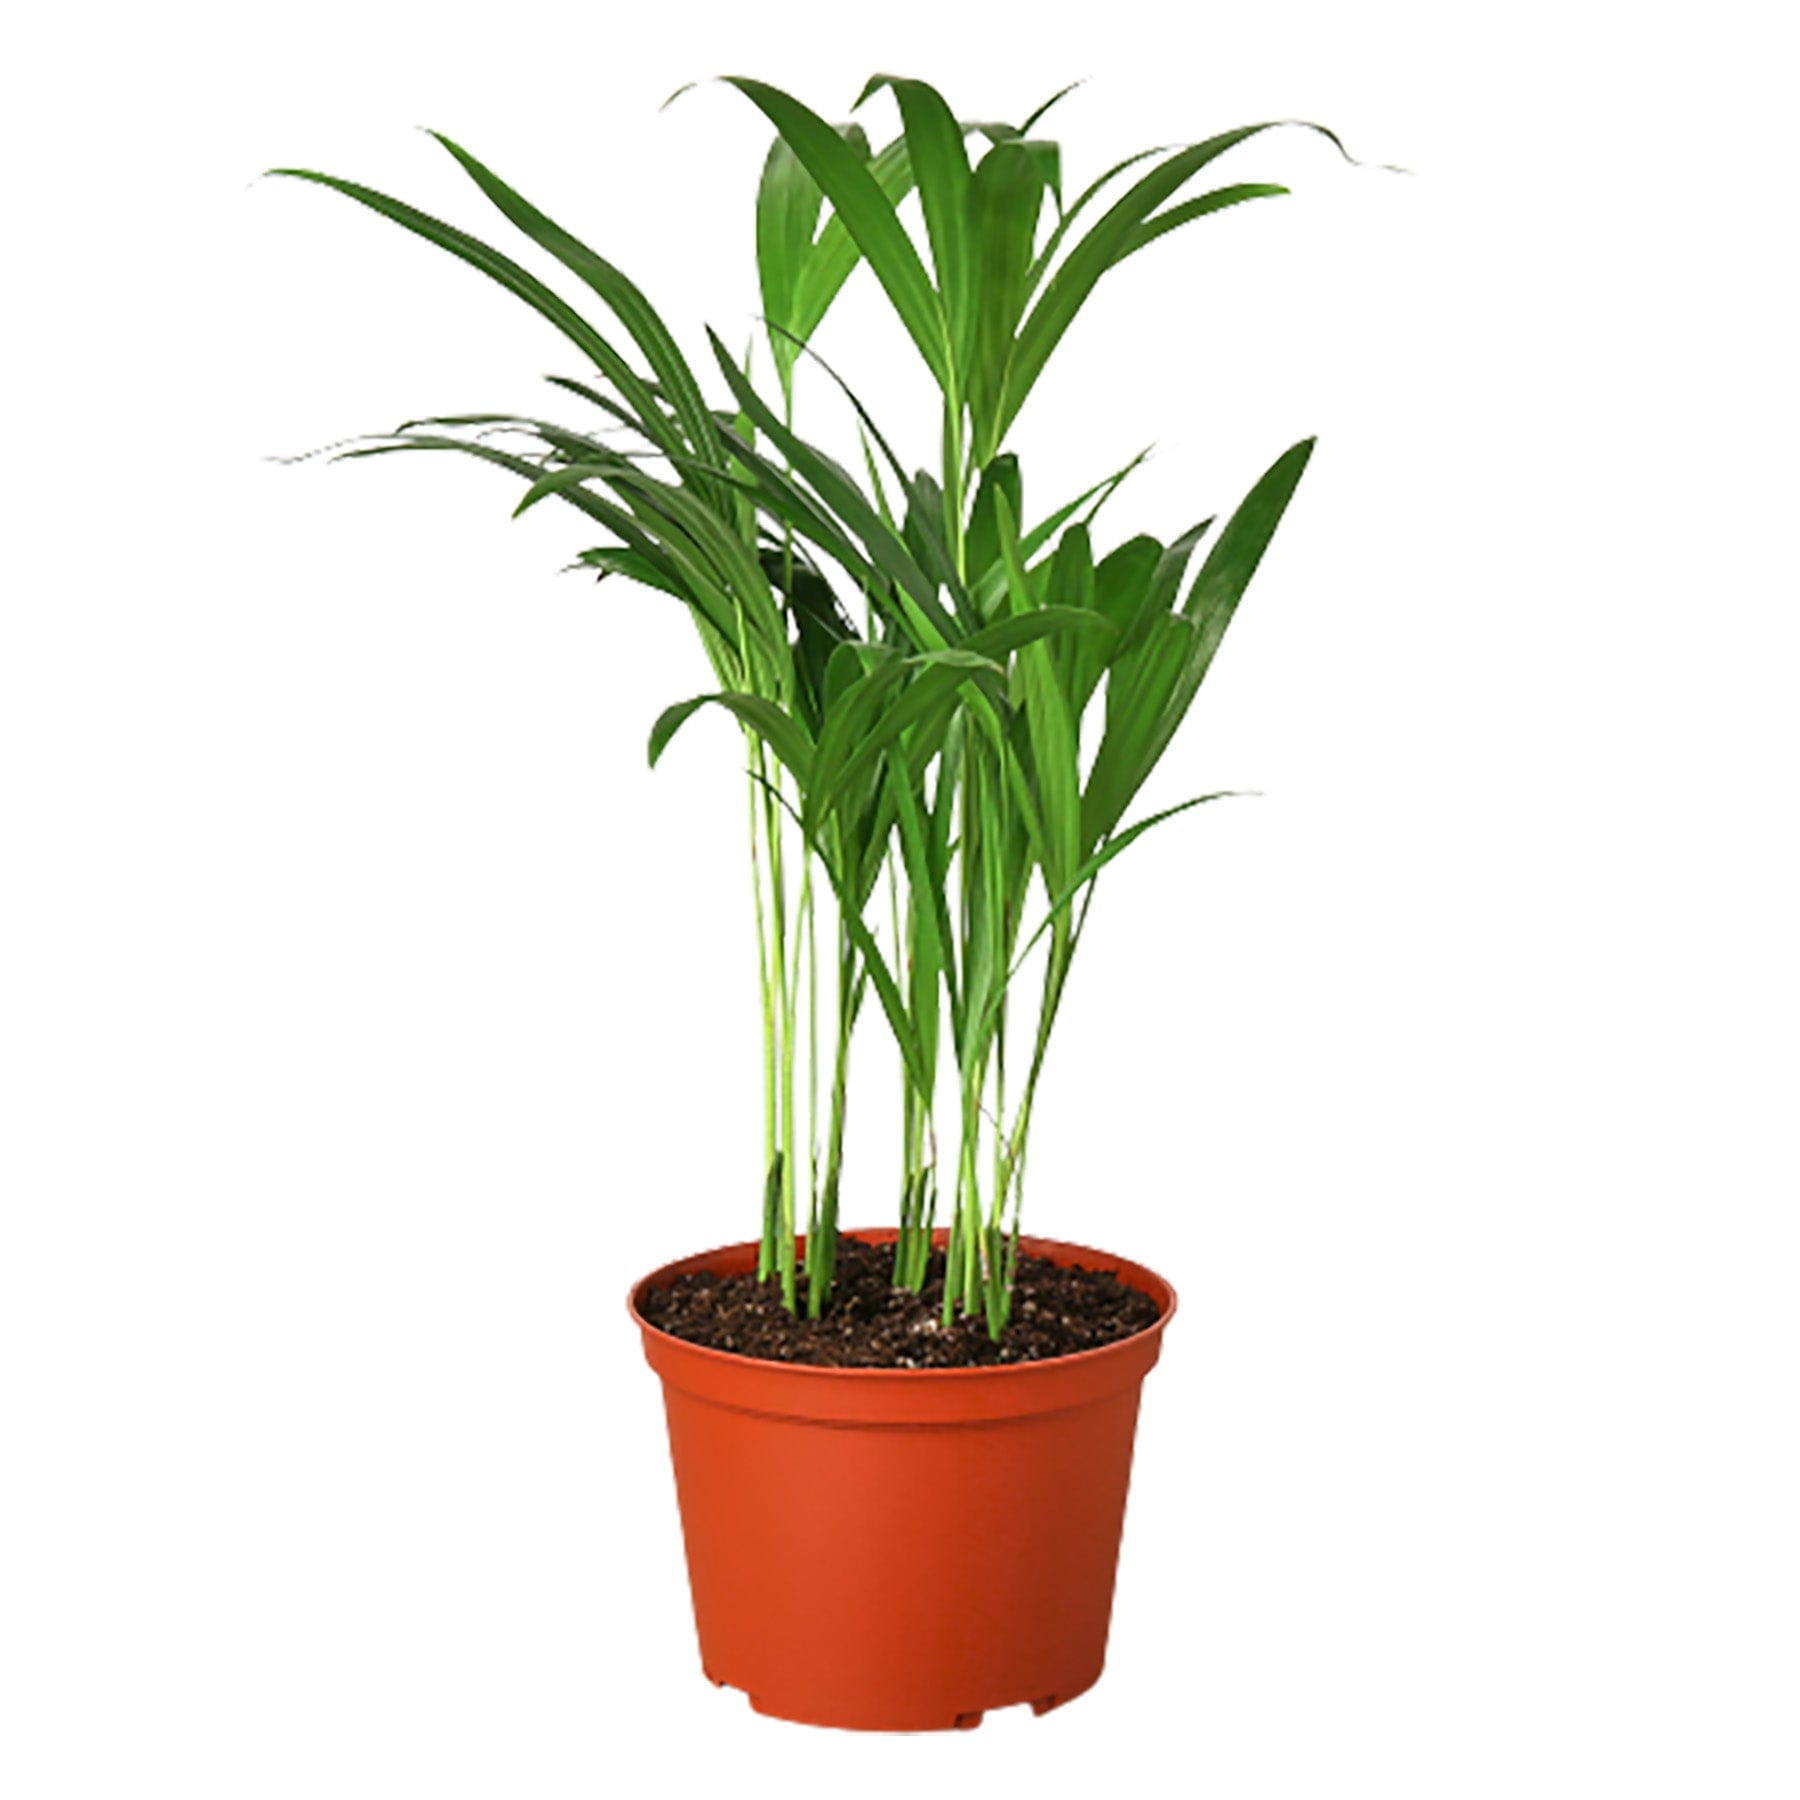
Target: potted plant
[948,706]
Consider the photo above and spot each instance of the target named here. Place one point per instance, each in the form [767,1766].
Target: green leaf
[820,628]
[1240,546]
[836,488]
[785,500]
[940,166]
[788,204]
[1079,661]
[985,591]
[1095,863]
[933,943]
[1165,579]
[1158,682]
[1054,748]
[1175,216]
[1047,154]
[1066,223]
[1031,118]
[865,419]
[723,581]
[517,281]
[722,545]
[850,661]
[858,686]
[595,506]
[923,532]
[628,419]
[1011,633]
[1005,197]
[834,252]
[893,1003]
[622,296]
[936,678]
[633,565]
[1113,237]
[867,213]
[1123,578]
[987,576]
[558,439]
[777,728]
[1223,577]
[1139,687]
[874,473]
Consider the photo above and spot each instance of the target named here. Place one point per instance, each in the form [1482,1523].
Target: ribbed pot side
[902,1550]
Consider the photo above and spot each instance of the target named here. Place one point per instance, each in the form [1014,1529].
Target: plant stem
[953,475]
[784,1011]
[765,1253]
[812,1056]
[821,1250]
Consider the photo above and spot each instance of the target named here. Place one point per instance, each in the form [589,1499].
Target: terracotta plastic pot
[902,1549]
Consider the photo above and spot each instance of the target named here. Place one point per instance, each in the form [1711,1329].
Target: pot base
[964,1721]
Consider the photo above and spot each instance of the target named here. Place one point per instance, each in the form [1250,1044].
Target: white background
[372,1016]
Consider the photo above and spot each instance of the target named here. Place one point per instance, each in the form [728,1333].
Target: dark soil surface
[870,1324]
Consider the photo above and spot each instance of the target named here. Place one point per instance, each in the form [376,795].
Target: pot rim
[877,1234]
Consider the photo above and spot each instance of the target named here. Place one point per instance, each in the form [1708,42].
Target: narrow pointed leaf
[1098,861]
[981,546]
[1012,633]
[984,592]
[788,205]
[867,213]
[1139,687]
[1066,223]
[843,496]
[834,253]
[1054,749]
[1005,196]
[606,404]
[633,565]
[1031,118]
[1173,217]
[940,165]
[1220,585]
[778,729]
[622,295]
[1107,242]
[517,281]
[1234,558]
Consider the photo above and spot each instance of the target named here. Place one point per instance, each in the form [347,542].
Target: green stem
[963,1277]
[784,1012]
[953,476]
[821,1252]
[1056,978]
[765,1253]
[787,1251]
[812,1052]
[1000,1101]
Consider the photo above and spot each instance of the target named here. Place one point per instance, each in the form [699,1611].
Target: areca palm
[915,774]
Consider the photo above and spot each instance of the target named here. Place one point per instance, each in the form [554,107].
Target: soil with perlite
[868,1323]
